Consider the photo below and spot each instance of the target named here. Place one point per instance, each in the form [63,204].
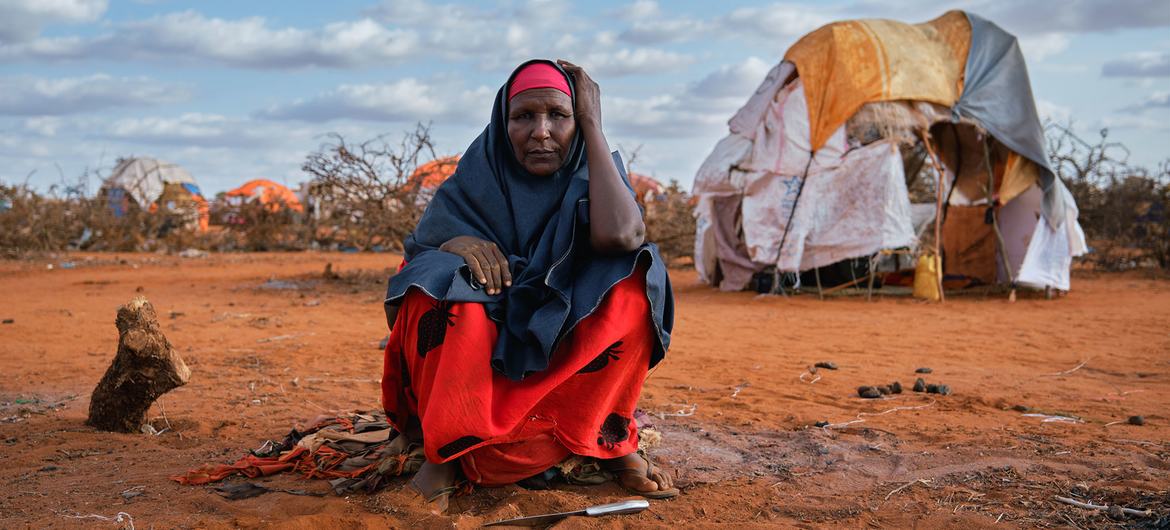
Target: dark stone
[885,390]
[1021,408]
[828,365]
[932,389]
[896,387]
[9,321]
[1137,420]
[821,424]
[923,370]
[919,385]
[944,390]
[869,392]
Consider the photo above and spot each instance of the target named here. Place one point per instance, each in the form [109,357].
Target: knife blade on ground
[616,508]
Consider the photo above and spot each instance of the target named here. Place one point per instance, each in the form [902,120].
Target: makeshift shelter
[815,168]
[153,185]
[646,188]
[430,175]
[272,195]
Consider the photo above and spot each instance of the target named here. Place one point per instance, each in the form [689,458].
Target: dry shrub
[256,226]
[1124,208]
[361,193]
[670,223]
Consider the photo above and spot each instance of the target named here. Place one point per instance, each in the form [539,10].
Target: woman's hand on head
[488,265]
[588,107]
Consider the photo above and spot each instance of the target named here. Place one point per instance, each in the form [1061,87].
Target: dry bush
[256,226]
[670,223]
[361,194]
[1124,209]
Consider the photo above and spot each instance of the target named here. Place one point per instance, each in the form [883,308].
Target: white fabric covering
[849,211]
[1051,250]
[145,178]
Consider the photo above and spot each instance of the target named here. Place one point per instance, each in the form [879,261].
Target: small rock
[868,392]
[932,389]
[1021,408]
[884,390]
[828,365]
[131,494]
[1115,512]
[177,314]
[944,390]
[9,321]
[382,344]
[896,387]
[48,468]
[139,289]
[821,424]
[923,370]
[1137,420]
[919,385]
[312,303]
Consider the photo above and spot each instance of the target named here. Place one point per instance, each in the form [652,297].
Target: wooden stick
[1087,506]
[1007,266]
[906,485]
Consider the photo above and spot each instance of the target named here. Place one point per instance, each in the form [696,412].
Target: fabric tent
[815,167]
[646,188]
[268,193]
[431,174]
[144,181]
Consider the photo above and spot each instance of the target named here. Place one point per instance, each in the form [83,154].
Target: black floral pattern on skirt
[432,327]
[615,430]
[458,446]
[602,360]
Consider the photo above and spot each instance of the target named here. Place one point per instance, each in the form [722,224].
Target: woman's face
[541,129]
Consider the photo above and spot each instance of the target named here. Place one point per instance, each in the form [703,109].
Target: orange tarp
[431,174]
[847,64]
[268,192]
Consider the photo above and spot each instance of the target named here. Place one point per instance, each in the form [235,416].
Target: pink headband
[538,75]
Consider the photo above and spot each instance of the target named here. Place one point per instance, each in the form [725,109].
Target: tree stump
[145,367]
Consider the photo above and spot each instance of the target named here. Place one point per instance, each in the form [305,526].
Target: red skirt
[438,370]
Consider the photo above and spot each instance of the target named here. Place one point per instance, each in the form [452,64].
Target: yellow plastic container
[927,275]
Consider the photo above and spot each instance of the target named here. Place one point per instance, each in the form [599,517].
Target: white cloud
[43,125]
[1037,48]
[1053,112]
[627,61]
[1157,100]
[197,129]
[698,109]
[29,96]
[21,20]
[777,20]
[246,42]
[1141,64]
[405,100]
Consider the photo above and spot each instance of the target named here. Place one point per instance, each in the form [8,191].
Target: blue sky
[240,90]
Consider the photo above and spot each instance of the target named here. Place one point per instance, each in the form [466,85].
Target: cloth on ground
[357,452]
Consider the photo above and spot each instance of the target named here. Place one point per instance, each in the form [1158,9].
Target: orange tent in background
[268,193]
[645,187]
[431,174]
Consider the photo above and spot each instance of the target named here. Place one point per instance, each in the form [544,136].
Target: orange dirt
[264,359]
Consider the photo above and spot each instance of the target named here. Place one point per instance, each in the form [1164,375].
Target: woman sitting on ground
[529,308]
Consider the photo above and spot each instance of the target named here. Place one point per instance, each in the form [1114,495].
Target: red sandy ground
[265,359]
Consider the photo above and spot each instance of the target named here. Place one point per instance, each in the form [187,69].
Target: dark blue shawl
[542,225]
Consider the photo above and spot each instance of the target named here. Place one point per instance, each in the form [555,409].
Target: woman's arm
[615,221]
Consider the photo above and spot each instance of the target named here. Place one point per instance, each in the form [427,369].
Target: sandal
[657,494]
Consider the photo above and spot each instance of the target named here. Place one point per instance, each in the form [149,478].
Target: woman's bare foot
[436,483]
[637,474]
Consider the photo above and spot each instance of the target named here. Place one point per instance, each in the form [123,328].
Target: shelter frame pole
[820,291]
[942,297]
[991,203]
[788,225]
